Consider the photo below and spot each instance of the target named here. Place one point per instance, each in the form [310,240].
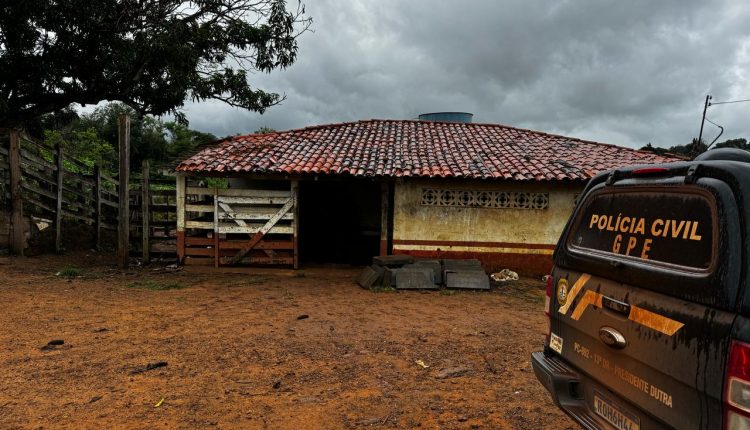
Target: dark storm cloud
[619,72]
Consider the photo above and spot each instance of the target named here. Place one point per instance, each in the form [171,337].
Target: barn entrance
[339,221]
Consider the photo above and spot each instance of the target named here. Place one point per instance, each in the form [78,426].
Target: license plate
[617,417]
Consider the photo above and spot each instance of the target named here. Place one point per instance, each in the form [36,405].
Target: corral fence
[42,186]
[153,225]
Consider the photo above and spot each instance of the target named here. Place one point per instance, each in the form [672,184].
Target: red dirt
[239,357]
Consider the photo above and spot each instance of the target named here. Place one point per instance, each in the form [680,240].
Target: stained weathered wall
[519,239]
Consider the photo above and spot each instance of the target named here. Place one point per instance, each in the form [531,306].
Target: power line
[727,102]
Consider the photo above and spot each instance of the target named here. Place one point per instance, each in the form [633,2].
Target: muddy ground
[252,348]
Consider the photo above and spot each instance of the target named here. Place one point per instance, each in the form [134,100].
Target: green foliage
[151,55]
[84,145]
[69,272]
[734,143]
[264,130]
[690,150]
[92,137]
[151,285]
[217,183]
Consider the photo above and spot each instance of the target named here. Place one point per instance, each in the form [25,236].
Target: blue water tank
[447,117]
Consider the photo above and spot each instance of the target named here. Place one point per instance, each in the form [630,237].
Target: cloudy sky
[623,72]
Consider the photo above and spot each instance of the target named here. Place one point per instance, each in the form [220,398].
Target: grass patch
[69,272]
[151,285]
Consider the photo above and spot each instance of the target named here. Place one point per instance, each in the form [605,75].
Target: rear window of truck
[673,228]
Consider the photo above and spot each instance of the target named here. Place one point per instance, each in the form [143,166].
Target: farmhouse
[341,193]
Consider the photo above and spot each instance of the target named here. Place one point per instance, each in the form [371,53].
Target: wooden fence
[42,182]
[157,218]
[227,226]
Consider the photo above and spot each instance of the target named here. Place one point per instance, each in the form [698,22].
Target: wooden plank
[110,179]
[237,192]
[86,209]
[201,241]
[227,211]
[145,215]
[39,204]
[198,208]
[180,191]
[76,192]
[202,225]
[80,179]
[216,228]
[252,213]
[256,200]
[85,219]
[36,190]
[295,222]
[263,244]
[193,261]
[28,157]
[112,193]
[59,198]
[123,231]
[110,204]
[263,230]
[253,229]
[168,193]
[31,171]
[206,252]
[98,205]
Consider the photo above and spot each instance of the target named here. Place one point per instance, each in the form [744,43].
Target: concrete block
[389,277]
[468,279]
[456,264]
[370,276]
[415,278]
[392,260]
[435,265]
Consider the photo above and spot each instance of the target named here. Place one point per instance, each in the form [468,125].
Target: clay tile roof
[398,148]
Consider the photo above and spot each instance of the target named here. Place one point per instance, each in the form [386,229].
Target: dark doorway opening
[339,221]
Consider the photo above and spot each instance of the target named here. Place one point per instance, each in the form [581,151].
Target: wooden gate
[232,226]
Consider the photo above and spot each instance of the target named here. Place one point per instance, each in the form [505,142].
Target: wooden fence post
[295,221]
[145,214]
[123,219]
[14,161]
[217,255]
[59,198]
[98,205]
[180,185]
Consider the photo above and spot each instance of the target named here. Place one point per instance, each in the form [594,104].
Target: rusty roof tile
[405,148]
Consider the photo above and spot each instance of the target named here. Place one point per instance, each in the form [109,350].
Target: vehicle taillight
[737,387]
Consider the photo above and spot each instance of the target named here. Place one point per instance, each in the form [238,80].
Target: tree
[91,137]
[734,143]
[150,54]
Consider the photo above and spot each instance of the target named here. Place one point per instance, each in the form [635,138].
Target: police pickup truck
[649,299]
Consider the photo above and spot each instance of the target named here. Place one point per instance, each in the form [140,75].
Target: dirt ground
[240,352]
